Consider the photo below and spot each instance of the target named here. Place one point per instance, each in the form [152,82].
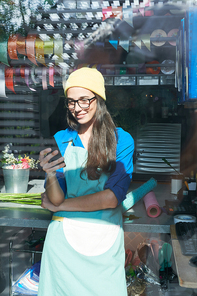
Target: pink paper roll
[151,204]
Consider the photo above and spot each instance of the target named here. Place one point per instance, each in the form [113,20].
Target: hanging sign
[127,15]
[146,40]
[117,12]
[2,81]
[107,13]
[12,45]
[114,43]
[138,42]
[141,10]
[30,47]
[124,44]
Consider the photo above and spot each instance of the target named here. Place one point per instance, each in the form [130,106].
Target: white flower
[18,162]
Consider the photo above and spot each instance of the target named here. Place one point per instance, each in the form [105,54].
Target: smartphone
[54,147]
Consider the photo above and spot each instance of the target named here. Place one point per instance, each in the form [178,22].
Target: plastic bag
[143,268]
[28,282]
[155,253]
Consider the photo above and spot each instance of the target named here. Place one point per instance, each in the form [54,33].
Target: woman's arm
[120,179]
[53,190]
[105,199]
[115,188]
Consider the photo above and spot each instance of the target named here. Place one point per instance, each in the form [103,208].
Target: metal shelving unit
[24,249]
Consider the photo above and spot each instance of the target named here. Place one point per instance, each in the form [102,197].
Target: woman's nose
[77,107]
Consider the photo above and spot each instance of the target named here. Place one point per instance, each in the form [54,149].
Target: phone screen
[54,147]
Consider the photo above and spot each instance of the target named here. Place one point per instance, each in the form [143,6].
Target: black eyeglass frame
[77,101]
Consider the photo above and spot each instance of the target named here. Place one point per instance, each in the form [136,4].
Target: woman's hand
[46,204]
[55,194]
[50,167]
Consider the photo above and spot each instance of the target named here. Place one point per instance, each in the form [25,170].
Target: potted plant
[16,171]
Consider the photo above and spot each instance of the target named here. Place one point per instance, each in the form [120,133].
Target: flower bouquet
[12,162]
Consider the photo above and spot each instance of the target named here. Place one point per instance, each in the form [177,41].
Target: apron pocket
[90,239]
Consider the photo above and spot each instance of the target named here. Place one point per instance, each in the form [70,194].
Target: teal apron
[84,252]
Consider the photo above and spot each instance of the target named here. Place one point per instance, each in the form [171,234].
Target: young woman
[84,248]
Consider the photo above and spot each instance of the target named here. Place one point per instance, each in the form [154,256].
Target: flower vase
[15,180]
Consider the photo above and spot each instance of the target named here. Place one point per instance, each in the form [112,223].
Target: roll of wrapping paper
[156,34]
[48,47]
[30,47]
[51,76]
[22,71]
[153,70]
[39,46]
[3,46]
[184,218]
[35,79]
[9,73]
[12,46]
[17,76]
[153,209]
[44,78]
[173,33]
[27,72]
[21,45]
[2,81]
[134,196]
[58,50]
[168,70]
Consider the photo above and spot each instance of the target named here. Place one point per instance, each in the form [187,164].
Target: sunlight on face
[83,116]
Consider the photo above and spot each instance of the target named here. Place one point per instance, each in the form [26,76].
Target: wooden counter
[187,274]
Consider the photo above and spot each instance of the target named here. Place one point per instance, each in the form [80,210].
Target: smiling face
[85,117]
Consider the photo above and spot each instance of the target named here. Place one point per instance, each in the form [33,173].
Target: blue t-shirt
[120,179]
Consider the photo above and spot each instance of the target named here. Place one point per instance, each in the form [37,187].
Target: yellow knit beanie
[88,78]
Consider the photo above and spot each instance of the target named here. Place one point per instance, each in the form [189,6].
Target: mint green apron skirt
[84,252]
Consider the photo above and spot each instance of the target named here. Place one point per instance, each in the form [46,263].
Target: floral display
[18,162]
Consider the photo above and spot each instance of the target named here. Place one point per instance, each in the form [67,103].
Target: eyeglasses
[82,103]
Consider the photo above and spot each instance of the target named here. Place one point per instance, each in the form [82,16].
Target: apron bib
[84,251]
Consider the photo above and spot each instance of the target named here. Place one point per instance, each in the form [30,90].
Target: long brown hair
[102,142]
